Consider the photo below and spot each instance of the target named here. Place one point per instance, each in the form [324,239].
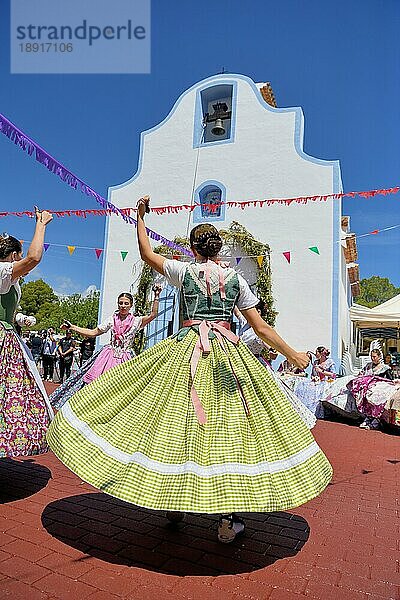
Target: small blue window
[210,200]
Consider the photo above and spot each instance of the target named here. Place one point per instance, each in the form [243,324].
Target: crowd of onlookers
[372,396]
[57,355]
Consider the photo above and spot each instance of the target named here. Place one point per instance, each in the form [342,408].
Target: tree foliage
[34,295]
[50,310]
[376,290]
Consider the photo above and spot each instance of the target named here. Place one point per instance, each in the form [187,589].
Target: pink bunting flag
[287,256]
[98,252]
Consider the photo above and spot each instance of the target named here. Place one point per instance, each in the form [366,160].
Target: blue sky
[337,59]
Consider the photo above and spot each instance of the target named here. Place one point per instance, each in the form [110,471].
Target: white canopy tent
[381,322]
[384,315]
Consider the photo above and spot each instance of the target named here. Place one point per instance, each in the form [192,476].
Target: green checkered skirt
[133,433]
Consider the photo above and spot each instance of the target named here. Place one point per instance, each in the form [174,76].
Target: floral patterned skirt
[24,417]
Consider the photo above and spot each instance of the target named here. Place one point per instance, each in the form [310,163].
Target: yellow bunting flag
[260,260]
[71,249]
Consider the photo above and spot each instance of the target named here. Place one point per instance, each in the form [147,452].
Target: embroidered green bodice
[196,304]
[8,305]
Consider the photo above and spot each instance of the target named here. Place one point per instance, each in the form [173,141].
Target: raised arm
[82,330]
[154,309]
[155,261]
[34,255]
[271,337]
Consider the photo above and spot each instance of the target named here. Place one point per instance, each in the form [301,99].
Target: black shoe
[175,516]
[229,528]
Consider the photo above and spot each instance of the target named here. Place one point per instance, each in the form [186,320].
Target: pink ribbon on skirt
[222,330]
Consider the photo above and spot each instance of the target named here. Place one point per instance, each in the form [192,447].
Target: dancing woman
[195,423]
[25,412]
[124,326]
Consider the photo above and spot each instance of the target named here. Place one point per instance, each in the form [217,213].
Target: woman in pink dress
[124,326]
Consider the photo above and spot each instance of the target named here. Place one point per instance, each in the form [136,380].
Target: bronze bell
[218,128]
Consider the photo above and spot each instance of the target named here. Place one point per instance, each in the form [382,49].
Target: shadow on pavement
[21,478]
[121,533]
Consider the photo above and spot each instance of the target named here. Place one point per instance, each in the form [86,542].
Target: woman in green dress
[195,423]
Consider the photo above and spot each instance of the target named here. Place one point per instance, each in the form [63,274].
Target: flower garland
[238,236]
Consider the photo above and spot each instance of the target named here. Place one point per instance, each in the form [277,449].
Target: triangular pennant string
[71,249]
[314,249]
[287,256]
[98,252]
[123,255]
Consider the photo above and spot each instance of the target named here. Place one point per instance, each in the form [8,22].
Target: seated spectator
[287,368]
[388,360]
[371,395]
[378,366]
[323,367]
[371,391]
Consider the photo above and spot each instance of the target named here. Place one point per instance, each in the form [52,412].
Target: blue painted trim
[220,80]
[198,116]
[197,217]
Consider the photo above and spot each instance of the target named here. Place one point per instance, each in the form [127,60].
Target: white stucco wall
[264,161]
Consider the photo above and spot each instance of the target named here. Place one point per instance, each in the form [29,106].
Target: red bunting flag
[375,231]
[287,256]
[98,252]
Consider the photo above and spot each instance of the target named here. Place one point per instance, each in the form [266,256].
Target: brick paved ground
[61,539]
